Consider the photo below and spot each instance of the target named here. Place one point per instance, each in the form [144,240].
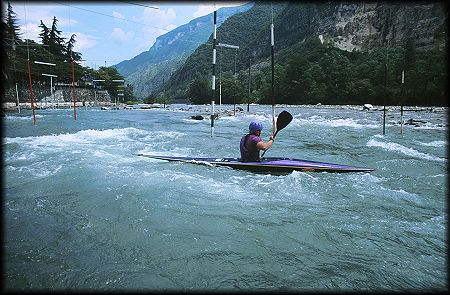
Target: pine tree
[69,49]
[56,42]
[44,35]
[12,32]
[70,44]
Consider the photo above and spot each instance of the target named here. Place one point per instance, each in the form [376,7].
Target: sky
[108,32]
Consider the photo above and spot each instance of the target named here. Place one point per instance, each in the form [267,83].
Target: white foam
[431,126]
[39,170]
[257,117]
[101,154]
[193,121]
[23,118]
[163,135]
[364,178]
[333,122]
[175,152]
[230,118]
[402,194]
[395,147]
[436,143]
[42,172]
[80,137]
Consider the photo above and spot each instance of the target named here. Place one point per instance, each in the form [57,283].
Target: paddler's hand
[270,142]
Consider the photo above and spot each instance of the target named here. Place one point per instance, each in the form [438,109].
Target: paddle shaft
[283,120]
[267,149]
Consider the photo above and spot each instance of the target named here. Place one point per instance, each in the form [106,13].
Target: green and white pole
[401,106]
[272,43]
[213,74]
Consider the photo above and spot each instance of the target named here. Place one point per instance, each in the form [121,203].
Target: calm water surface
[83,212]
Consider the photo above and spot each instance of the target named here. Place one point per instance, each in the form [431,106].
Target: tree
[69,49]
[336,68]
[11,38]
[44,34]
[151,98]
[128,92]
[56,42]
[316,91]
[410,51]
[297,80]
[109,74]
[199,91]
[12,33]
[232,88]
[70,44]
[361,91]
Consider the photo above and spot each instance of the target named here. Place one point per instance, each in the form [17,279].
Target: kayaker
[252,143]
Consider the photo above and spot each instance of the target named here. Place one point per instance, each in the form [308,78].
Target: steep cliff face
[364,26]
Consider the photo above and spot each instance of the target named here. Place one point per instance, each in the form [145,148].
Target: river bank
[11,106]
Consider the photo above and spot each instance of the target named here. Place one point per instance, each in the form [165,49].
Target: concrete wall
[61,94]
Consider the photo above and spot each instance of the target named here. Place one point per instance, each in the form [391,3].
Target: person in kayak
[252,143]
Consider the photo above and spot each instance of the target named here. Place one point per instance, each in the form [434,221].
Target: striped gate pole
[213,75]
[272,43]
[74,93]
[31,91]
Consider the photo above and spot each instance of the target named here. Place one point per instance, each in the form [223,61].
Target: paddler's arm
[264,145]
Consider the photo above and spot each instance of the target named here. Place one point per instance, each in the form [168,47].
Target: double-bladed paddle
[284,118]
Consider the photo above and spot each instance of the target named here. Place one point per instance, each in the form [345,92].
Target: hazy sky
[109,32]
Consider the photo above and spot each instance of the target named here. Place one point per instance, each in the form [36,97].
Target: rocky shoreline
[11,106]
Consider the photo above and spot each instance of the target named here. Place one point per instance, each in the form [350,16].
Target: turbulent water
[83,212]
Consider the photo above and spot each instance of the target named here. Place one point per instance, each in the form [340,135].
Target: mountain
[148,70]
[366,25]
[351,33]
[244,30]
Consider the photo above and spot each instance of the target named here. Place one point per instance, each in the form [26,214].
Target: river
[83,212]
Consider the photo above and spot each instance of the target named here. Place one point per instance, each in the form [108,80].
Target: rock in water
[367,106]
[197,117]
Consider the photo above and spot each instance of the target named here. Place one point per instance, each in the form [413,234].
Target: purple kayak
[266,165]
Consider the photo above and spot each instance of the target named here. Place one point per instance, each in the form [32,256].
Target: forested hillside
[148,70]
[329,53]
[243,30]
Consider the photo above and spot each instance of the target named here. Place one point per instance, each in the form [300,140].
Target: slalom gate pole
[74,93]
[384,100]
[213,74]
[31,92]
[401,106]
[249,84]
[272,42]
[17,96]
[401,119]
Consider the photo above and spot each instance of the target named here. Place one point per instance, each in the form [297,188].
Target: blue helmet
[255,126]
